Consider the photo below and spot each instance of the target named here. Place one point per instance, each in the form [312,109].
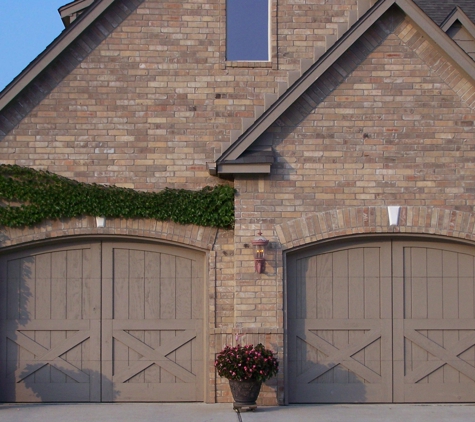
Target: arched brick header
[348,221]
[190,235]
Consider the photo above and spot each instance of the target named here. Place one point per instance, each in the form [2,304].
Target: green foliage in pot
[247,362]
[30,196]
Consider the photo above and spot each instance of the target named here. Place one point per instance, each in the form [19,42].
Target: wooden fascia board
[278,108]
[234,168]
[42,61]
[459,15]
[450,19]
[301,85]
[73,7]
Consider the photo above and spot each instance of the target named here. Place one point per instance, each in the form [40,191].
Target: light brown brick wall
[154,103]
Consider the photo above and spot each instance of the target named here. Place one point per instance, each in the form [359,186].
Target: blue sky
[26,28]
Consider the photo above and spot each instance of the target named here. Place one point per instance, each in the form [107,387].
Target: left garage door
[101,321]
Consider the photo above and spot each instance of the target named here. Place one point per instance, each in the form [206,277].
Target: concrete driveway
[199,412]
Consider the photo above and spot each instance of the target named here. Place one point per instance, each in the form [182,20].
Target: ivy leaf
[43,195]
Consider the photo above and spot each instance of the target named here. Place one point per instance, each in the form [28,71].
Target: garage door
[389,321]
[101,322]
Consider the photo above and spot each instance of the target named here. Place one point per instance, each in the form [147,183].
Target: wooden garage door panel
[344,303]
[334,296]
[152,324]
[129,329]
[50,326]
[340,325]
[434,326]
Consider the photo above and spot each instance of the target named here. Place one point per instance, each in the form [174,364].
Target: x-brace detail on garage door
[45,356]
[342,356]
[151,356]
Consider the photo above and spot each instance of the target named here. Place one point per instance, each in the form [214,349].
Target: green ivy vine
[44,195]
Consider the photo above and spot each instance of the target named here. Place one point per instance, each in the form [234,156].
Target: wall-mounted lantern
[259,244]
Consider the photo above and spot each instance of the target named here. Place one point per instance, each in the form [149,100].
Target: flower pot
[245,393]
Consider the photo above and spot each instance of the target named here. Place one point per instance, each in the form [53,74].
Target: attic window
[247,30]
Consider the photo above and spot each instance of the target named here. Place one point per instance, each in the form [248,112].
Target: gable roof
[234,155]
[438,10]
[458,15]
[461,29]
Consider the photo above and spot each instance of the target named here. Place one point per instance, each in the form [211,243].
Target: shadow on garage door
[101,321]
[382,321]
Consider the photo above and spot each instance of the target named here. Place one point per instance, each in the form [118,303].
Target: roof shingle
[439,10]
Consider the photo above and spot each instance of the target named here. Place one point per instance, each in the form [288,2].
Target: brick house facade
[360,107]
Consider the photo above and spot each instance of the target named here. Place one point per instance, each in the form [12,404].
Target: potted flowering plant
[246,367]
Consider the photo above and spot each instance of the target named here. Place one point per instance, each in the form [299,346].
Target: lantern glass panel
[259,251]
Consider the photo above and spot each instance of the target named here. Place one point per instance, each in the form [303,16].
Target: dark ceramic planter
[245,393]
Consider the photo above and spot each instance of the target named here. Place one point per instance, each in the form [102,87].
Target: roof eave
[450,19]
[456,53]
[243,168]
[458,15]
[51,52]
[72,8]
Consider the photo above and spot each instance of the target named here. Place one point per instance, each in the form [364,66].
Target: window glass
[247,30]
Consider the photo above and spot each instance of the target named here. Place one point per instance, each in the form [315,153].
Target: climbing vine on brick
[43,195]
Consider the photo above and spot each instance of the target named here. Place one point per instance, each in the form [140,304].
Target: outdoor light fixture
[259,244]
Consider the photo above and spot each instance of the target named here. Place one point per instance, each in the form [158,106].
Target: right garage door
[382,321]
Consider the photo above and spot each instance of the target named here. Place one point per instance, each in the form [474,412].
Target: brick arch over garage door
[358,220]
[189,235]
